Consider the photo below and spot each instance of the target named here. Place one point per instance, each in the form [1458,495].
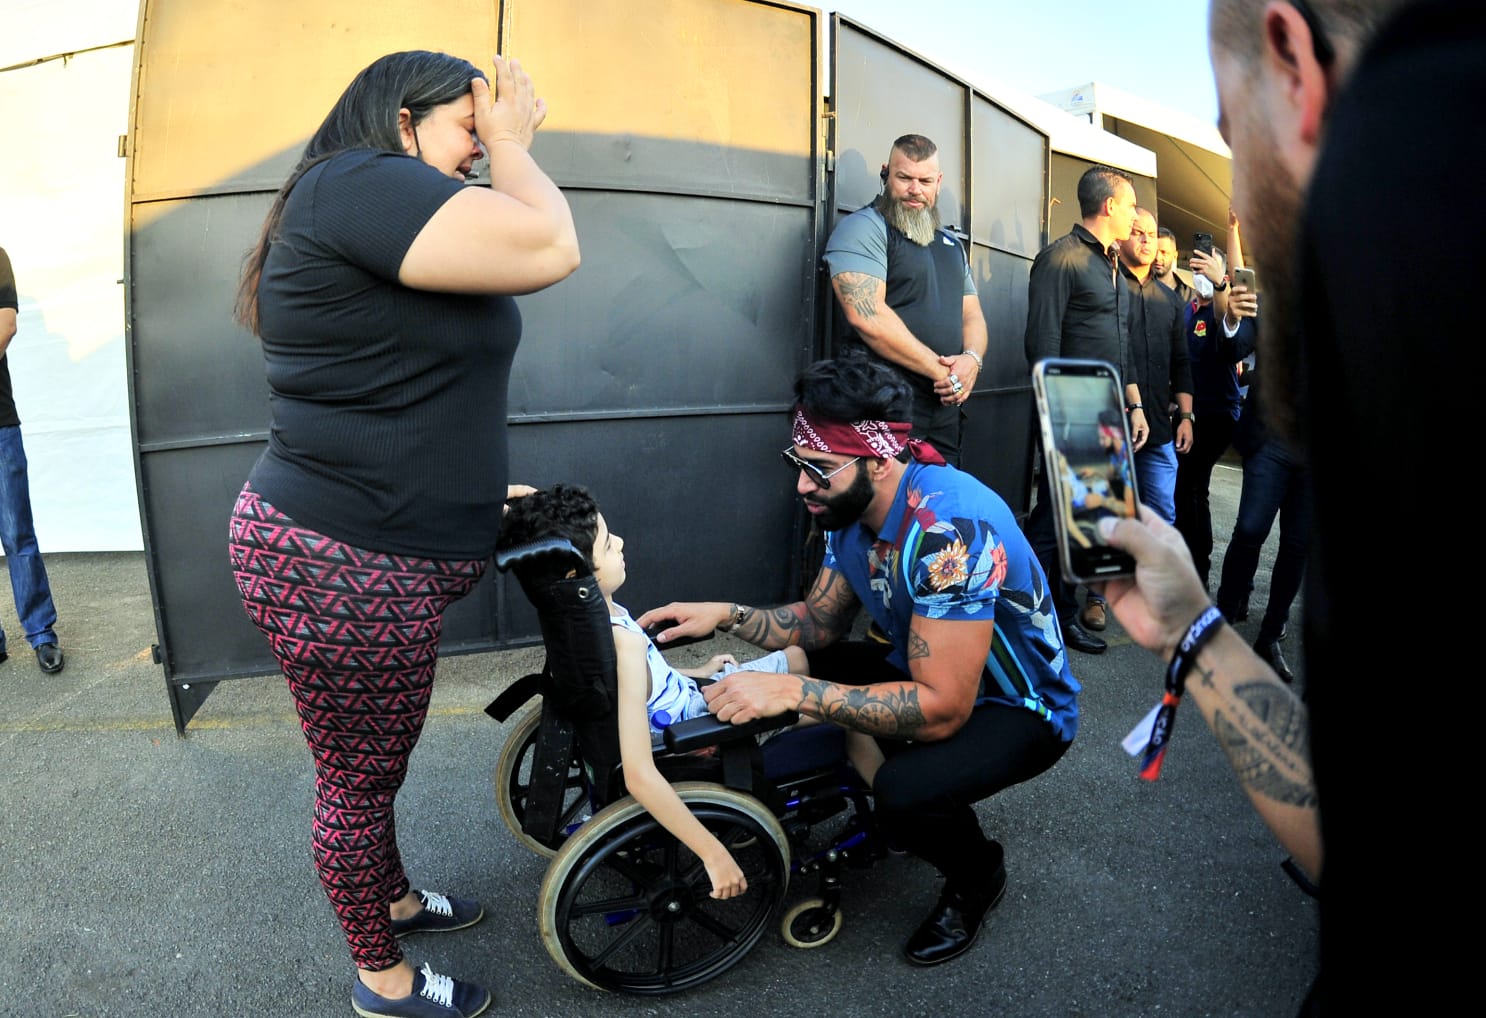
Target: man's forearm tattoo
[890,710]
[821,619]
[1268,744]
[859,292]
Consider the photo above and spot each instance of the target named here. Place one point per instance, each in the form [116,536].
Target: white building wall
[62,223]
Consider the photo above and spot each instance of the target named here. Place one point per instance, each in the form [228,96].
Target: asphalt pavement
[151,874]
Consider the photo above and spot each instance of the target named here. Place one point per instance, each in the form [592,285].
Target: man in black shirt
[1077,306]
[1164,267]
[1158,332]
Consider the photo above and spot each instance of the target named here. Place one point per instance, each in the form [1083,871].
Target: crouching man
[972,692]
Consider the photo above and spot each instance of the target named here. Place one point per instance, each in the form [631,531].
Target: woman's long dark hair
[365,116]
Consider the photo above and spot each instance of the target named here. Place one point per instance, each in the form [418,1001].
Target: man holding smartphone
[1336,112]
[1078,307]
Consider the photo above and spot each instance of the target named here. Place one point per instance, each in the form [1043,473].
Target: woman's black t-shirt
[389,403]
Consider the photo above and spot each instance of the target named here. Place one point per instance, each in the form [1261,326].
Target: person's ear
[405,131]
[1289,53]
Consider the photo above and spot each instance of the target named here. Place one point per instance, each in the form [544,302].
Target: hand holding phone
[1090,461]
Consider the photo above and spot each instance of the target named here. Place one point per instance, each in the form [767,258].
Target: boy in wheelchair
[652,693]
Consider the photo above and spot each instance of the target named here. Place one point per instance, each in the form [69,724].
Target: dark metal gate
[658,375]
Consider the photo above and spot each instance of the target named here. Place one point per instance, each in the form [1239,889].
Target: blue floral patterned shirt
[950,548]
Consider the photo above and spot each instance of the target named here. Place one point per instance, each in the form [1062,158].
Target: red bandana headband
[877,439]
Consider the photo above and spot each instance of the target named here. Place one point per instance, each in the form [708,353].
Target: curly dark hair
[564,510]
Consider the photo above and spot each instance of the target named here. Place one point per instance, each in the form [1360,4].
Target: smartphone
[1090,463]
[1202,242]
[1246,277]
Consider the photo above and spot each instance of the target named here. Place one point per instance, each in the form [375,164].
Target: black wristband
[1202,629]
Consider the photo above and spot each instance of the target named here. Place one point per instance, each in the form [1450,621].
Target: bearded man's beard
[918,225]
[845,507]
[1272,227]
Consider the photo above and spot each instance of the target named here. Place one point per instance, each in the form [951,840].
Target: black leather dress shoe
[49,656]
[1270,652]
[1079,638]
[951,928]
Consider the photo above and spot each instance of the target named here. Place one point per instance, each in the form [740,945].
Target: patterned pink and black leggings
[357,635]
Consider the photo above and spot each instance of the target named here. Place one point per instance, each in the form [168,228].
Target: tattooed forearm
[1267,740]
[858,292]
[821,620]
[889,710]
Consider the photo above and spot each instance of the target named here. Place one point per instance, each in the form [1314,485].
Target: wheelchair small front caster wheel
[811,923]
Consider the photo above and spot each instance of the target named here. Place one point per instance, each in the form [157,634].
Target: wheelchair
[624,906]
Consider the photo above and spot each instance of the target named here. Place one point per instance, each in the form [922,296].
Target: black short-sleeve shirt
[389,403]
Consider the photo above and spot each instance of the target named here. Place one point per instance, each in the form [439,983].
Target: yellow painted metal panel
[229,92]
[718,72]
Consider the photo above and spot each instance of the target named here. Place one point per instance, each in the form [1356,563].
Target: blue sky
[1156,50]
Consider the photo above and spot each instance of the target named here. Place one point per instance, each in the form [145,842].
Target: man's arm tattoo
[1268,743]
[918,647]
[824,616]
[890,710]
[858,291]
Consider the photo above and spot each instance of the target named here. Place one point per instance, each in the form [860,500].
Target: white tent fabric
[62,224]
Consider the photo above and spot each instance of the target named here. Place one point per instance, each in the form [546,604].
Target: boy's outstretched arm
[648,785]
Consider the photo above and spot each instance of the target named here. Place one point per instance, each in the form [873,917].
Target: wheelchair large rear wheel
[627,907]
[512,781]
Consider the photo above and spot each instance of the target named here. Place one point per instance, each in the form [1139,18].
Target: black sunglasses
[817,476]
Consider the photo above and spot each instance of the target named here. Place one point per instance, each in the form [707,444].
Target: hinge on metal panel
[123,146]
[155,652]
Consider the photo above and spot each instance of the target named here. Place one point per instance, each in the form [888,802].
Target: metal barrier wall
[659,374]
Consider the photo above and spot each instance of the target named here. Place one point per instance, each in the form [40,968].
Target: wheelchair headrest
[559,548]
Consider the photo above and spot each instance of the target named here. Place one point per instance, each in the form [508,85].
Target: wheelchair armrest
[699,733]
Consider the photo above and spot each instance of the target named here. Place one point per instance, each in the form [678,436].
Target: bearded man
[971,692]
[1343,119]
[904,286]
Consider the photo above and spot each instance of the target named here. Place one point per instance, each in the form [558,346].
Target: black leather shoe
[1079,638]
[951,928]
[49,656]
[1270,652]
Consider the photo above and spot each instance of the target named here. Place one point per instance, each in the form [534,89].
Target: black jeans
[1043,537]
[1194,473]
[924,794]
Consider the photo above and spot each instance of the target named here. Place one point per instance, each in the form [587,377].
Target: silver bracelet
[979,364]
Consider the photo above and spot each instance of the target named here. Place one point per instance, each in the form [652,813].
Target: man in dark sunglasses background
[970,694]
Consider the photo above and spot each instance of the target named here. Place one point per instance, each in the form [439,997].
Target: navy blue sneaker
[433,996]
[439,914]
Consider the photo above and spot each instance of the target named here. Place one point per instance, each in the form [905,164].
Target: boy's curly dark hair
[564,510]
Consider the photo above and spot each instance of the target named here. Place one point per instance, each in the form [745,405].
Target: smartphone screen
[1091,466]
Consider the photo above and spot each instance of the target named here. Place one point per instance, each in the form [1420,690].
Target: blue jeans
[33,593]
[1155,472]
[1273,485]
